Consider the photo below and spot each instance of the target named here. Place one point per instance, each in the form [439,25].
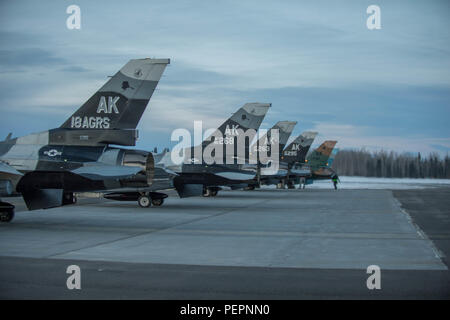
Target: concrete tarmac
[264,244]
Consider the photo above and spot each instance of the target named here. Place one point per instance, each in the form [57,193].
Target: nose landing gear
[152,198]
[144,201]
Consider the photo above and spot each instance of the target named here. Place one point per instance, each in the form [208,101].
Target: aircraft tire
[144,201]
[157,202]
[7,215]
[214,193]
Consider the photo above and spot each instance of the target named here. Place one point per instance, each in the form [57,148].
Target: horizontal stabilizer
[43,198]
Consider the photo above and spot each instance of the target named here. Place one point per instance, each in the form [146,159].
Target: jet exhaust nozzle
[142,159]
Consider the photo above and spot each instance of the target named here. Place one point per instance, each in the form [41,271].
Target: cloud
[19,59]
[43,95]
[315,61]
[74,69]
[166,113]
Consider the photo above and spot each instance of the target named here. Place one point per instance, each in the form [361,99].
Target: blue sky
[316,61]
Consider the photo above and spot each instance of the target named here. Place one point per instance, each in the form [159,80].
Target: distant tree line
[391,164]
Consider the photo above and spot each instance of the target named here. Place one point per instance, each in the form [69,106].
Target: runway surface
[265,244]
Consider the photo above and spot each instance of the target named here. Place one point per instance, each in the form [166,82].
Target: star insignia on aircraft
[53,153]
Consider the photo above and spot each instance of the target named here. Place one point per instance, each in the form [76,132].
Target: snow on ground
[376,183]
[381,183]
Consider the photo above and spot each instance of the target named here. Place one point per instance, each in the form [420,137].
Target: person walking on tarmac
[302,183]
[335,182]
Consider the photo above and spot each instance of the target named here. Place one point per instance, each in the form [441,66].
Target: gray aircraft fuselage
[74,168]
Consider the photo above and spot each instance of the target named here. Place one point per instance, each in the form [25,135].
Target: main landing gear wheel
[302,183]
[280,185]
[6,215]
[6,211]
[69,198]
[144,201]
[207,192]
[210,191]
[157,202]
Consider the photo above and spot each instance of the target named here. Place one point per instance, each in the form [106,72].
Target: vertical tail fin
[120,103]
[250,116]
[284,128]
[242,125]
[296,151]
[332,156]
[319,157]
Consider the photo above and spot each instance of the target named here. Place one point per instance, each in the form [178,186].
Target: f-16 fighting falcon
[46,168]
[318,163]
[200,172]
[295,155]
[265,175]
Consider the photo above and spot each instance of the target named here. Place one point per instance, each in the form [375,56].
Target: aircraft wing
[102,172]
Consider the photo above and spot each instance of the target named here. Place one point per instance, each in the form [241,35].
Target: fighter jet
[295,155]
[318,163]
[47,168]
[265,175]
[205,177]
[321,164]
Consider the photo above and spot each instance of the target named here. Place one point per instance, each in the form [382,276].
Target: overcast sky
[316,61]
